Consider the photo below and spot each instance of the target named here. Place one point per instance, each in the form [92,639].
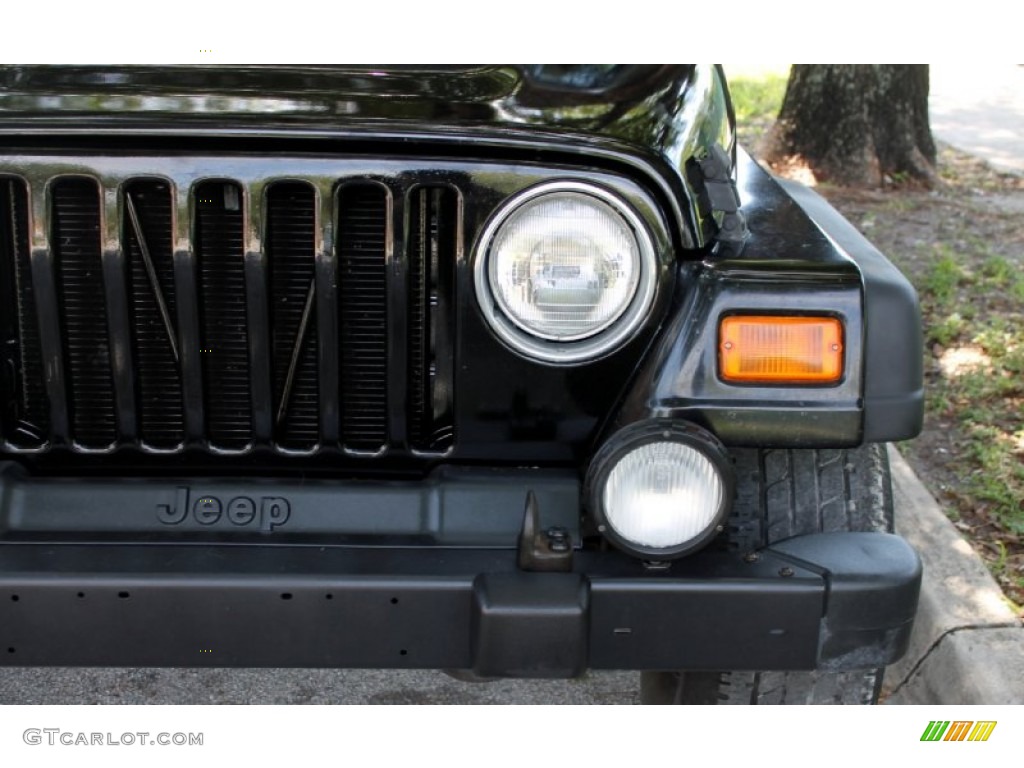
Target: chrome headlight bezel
[610,335]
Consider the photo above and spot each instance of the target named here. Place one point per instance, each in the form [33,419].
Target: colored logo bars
[958,730]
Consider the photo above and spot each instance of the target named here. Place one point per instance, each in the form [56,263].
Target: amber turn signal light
[764,349]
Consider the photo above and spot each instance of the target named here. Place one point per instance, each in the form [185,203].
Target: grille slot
[75,218]
[26,415]
[291,248]
[432,251]
[223,334]
[157,367]
[363,215]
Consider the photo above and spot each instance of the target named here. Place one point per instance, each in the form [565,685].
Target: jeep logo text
[265,512]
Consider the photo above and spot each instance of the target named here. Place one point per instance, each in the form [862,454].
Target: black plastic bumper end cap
[874,580]
[530,625]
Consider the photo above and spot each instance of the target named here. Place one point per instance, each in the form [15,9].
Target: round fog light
[661,489]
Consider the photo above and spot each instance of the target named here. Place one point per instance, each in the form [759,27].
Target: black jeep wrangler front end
[518,371]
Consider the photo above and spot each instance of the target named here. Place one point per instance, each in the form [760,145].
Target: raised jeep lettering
[208,510]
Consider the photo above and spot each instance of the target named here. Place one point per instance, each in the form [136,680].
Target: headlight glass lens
[564,266]
[661,495]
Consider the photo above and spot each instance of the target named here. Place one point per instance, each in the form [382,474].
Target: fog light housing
[660,489]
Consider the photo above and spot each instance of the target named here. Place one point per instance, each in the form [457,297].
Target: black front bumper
[832,601]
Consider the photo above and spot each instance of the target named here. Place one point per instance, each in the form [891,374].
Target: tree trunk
[856,124]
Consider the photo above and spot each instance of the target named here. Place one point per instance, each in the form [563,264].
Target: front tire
[780,494]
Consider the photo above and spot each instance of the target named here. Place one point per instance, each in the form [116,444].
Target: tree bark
[856,125]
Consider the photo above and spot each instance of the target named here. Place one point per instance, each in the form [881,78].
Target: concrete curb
[968,645]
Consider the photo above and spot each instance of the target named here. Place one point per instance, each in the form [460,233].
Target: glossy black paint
[633,129]
[789,264]
[650,118]
[511,410]
[893,376]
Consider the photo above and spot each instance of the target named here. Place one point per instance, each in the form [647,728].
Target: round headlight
[565,272]
[661,489]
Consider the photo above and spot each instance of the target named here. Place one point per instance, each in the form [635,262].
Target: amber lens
[768,349]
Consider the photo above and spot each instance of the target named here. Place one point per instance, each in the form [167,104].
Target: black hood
[661,115]
[637,103]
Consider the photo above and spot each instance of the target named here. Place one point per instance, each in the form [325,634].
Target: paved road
[299,686]
[980,109]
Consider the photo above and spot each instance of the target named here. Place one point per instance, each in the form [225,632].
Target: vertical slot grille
[151,320]
[219,250]
[432,215]
[291,244]
[26,408]
[363,216]
[75,220]
[154,343]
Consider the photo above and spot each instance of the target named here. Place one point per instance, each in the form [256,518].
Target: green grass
[943,278]
[999,483]
[757,98]
[948,330]
[998,270]
[986,404]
